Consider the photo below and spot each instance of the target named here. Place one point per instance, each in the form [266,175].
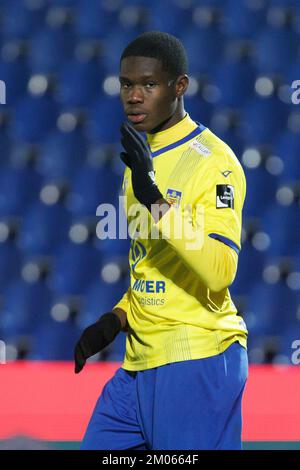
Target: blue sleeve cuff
[225,240]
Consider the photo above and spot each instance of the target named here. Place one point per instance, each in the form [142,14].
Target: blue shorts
[193,404]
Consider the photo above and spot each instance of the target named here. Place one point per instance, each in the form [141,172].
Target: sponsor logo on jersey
[200,148]
[173,197]
[151,287]
[225,196]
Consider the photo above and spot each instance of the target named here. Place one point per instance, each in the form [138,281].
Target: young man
[185,368]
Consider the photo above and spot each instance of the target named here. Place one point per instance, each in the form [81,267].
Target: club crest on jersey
[173,197]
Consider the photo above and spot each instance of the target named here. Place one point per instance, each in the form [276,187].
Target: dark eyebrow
[143,77]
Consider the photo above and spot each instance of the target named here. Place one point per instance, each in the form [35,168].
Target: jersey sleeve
[124,303]
[213,262]
[206,234]
[222,190]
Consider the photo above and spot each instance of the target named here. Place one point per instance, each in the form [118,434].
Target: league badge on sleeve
[225,196]
[173,197]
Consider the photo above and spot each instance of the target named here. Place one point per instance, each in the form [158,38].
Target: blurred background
[59,159]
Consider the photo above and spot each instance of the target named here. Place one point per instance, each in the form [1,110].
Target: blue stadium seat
[250,269]
[287,147]
[290,341]
[268,308]
[175,23]
[20,21]
[285,3]
[25,183]
[285,305]
[64,3]
[25,306]
[284,240]
[291,73]
[296,15]
[50,48]
[5,146]
[113,45]
[242,21]
[100,297]
[91,187]
[275,49]
[93,21]
[55,341]
[235,80]
[62,154]
[34,117]
[261,190]
[271,112]
[74,267]
[44,228]
[105,131]
[210,3]
[115,351]
[15,74]
[256,347]
[258,313]
[79,83]
[204,48]
[10,262]
[198,109]
[112,249]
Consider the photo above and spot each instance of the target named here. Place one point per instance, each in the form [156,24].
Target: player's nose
[135,95]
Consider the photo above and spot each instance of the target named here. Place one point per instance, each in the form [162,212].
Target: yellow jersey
[176,308]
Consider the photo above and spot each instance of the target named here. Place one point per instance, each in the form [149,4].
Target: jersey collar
[176,135]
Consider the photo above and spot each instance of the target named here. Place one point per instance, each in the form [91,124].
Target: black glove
[95,338]
[138,158]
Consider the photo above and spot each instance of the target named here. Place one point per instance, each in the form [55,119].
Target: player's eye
[150,85]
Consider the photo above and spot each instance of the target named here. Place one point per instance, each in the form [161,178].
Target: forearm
[122,315]
[121,308]
[214,262]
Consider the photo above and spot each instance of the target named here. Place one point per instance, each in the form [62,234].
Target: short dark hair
[162,46]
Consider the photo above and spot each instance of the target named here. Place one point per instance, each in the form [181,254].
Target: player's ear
[182,84]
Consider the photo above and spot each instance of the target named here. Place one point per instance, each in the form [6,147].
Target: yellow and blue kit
[185,368]
[178,305]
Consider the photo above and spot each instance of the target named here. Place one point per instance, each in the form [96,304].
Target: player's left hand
[138,158]
[95,338]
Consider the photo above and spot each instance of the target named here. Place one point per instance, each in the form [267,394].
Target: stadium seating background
[59,159]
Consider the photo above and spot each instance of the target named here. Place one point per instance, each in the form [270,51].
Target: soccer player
[185,367]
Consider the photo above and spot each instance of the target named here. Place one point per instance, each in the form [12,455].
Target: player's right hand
[95,338]
[138,158]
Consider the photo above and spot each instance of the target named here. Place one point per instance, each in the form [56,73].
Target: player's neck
[170,121]
[172,134]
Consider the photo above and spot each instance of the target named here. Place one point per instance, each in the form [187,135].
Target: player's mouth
[136,118]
